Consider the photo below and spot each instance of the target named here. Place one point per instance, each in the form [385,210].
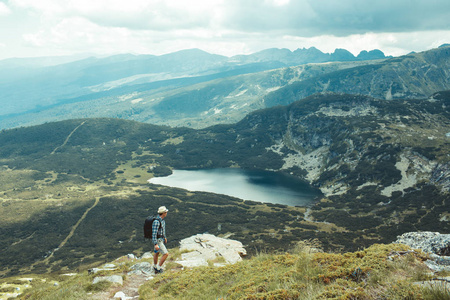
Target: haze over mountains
[43,89]
[197,89]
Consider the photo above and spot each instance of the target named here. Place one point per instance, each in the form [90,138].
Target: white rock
[142,268]
[430,242]
[147,255]
[107,267]
[121,296]
[207,247]
[113,278]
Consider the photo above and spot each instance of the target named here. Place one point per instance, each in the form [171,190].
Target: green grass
[381,271]
[440,291]
[304,273]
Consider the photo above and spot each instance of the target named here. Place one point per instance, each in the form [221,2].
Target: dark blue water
[261,186]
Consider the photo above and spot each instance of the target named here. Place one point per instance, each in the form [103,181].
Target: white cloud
[133,14]
[225,27]
[4,10]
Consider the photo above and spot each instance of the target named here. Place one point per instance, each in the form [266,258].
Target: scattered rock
[113,278]
[107,267]
[131,256]
[122,296]
[207,247]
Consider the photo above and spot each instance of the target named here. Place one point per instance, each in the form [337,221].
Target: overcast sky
[228,27]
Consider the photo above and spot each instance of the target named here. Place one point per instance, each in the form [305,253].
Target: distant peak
[372,54]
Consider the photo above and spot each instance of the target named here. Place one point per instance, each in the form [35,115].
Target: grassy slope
[378,272]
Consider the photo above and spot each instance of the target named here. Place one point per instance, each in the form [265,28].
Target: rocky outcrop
[435,244]
[205,248]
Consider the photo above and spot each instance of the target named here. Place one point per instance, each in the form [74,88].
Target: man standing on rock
[159,239]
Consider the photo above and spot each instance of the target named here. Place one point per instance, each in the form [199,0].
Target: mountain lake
[255,185]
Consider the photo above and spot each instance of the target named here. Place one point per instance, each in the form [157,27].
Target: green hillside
[74,193]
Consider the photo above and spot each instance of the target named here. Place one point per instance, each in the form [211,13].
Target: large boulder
[205,248]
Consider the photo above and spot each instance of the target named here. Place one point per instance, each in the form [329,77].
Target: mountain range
[45,89]
[196,89]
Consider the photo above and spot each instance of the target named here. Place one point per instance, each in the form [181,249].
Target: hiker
[159,239]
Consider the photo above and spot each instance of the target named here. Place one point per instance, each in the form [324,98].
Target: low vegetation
[381,271]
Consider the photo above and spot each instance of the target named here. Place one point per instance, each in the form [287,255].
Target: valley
[383,167]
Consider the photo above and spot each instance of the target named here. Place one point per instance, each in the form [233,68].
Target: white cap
[162,210]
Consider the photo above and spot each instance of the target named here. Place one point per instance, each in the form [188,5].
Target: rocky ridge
[337,135]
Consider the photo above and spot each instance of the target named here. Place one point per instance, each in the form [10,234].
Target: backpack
[148,224]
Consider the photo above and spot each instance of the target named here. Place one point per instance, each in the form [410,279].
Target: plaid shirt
[158,232]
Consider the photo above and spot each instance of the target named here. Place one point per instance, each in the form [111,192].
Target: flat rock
[113,278]
[107,267]
[207,247]
[143,268]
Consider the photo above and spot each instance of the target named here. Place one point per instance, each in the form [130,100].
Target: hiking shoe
[158,271]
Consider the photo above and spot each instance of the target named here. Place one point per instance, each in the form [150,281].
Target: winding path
[67,138]
[72,231]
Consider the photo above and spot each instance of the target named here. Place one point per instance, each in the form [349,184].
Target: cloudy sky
[228,27]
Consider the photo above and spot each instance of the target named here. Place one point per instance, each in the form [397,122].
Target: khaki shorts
[162,247]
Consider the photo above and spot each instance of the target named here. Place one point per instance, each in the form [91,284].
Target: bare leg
[163,259]
[155,258]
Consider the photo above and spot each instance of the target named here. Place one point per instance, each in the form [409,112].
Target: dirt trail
[72,231]
[67,138]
